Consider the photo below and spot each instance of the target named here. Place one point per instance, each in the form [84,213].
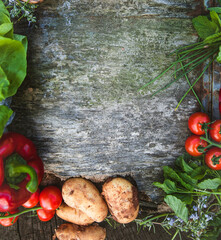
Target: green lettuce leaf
[22,39]
[5,114]
[13,66]
[6,30]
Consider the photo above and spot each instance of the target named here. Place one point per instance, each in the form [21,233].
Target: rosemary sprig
[19,10]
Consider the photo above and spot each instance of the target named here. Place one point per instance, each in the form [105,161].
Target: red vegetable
[33,200]
[9,221]
[50,198]
[215,131]
[213,158]
[45,215]
[18,157]
[196,121]
[193,145]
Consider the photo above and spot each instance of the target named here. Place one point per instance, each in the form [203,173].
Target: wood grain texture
[80,102]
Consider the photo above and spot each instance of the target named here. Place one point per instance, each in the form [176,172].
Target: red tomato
[213,158]
[50,198]
[9,221]
[215,131]
[45,215]
[195,122]
[193,143]
[33,200]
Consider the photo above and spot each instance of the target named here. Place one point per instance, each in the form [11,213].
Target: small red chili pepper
[21,171]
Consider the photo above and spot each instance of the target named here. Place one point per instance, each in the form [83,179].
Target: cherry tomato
[213,158]
[45,215]
[33,200]
[195,122]
[9,221]
[193,143]
[215,131]
[50,198]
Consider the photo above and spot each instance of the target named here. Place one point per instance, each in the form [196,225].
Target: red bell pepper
[21,171]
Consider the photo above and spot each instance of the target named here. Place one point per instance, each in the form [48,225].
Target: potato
[68,231]
[73,215]
[82,194]
[122,199]
[33,1]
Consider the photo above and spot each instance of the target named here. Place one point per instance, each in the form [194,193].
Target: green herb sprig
[193,193]
[189,57]
[19,9]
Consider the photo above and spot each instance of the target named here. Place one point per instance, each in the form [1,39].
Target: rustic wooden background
[80,102]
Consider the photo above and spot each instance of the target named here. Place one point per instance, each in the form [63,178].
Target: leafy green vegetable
[5,114]
[178,207]
[13,66]
[168,186]
[171,174]
[204,26]
[13,62]
[210,184]
[180,162]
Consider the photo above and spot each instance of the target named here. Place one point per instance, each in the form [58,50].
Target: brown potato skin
[122,199]
[82,194]
[33,1]
[73,215]
[68,231]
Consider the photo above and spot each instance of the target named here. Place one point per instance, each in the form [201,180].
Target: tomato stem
[210,142]
[20,213]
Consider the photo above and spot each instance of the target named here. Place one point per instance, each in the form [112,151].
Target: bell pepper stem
[16,169]
[32,185]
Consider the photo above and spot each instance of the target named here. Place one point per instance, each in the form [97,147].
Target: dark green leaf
[210,183]
[211,235]
[168,186]
[204,26]
[5,114]
[199,173]
[188,179]
[216,222]
[180,162]
[186,198]
[178,207]
[171,174]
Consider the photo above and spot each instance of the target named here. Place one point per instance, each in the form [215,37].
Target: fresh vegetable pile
[192,185]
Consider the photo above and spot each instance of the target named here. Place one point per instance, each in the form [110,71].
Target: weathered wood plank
[80,103]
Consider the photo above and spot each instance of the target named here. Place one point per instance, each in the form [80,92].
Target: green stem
[20,213]
[210,142]
[191,86]
[172,65]
[177,231]
[188,81]
[189,70]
